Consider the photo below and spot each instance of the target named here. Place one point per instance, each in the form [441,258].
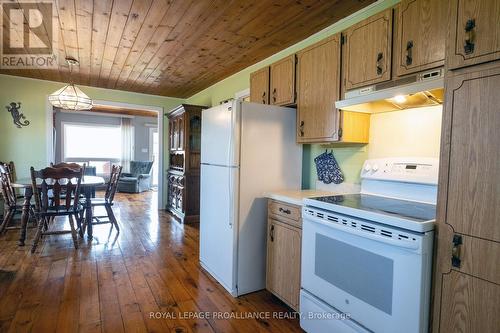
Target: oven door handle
[362,234]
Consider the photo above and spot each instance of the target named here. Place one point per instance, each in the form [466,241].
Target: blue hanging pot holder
[328,169]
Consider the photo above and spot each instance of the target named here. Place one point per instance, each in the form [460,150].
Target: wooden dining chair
[64,184]
[12,200]
[72,166]
[107,201]
[9,197]
[10,166]
[12,169]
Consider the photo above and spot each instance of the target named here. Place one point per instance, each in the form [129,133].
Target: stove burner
[414,211]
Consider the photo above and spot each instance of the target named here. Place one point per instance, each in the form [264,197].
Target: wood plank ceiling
[177,47]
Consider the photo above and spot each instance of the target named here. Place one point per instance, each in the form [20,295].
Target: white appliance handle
[381,239]
[231,204]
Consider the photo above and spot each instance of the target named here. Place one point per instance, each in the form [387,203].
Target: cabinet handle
[301,128]
[456,259]
[409,49]
[286,211]
[469,41]
[271,233]
[380,56]
[264,98]
[274,95]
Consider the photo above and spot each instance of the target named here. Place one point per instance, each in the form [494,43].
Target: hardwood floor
[145,279]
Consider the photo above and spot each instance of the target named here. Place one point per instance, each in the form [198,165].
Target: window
[91,141]
[97,145]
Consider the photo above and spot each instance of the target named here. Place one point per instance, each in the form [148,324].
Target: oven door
[379,282]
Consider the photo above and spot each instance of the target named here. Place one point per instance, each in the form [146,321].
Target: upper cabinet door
[259,86]
[420,35]
[474,36]
[318,87]
[367,51]
[283,81]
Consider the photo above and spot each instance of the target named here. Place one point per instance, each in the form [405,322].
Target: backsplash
[407,133]
[412,132]
[350,159]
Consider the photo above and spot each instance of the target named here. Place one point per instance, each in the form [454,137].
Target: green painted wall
[349,158]
[27,146]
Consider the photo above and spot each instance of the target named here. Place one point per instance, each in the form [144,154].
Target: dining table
[87,185]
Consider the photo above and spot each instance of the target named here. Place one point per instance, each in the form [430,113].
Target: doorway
[154,153]
[110,109]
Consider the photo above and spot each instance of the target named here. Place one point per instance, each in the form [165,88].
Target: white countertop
[295,197]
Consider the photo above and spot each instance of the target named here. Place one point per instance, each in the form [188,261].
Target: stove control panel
[418,170]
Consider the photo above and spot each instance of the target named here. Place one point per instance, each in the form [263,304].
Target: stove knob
[375,167]
[368,167]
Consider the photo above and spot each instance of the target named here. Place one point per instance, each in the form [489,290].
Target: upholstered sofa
[138,179]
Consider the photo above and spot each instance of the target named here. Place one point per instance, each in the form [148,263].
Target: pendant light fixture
[70,97]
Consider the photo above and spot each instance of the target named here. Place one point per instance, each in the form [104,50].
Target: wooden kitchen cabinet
[318,87]
[284,236]
[282,84]
[420,35]
[367,50]
[474,33]
[183,175]
[467,274]
[176,132]
[259,86]
[354,127]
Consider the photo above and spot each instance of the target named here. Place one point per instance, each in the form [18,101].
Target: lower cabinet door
[283,262]
[470,304]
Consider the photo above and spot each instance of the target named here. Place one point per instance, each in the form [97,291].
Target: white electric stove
[367,257]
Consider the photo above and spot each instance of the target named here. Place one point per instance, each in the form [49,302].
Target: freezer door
[217,224]
[219,135]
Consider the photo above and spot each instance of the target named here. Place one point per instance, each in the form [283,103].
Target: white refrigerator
[247,149]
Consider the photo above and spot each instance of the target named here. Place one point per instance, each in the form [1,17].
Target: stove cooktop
[380,209]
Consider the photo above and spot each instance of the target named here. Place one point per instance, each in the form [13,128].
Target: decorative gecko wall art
[18,118]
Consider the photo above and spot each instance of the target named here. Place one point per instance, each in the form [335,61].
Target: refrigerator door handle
[231,212]
[231,133]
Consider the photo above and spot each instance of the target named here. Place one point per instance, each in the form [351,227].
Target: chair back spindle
[12,170]
[116,171]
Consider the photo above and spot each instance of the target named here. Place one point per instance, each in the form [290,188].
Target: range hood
[418,90]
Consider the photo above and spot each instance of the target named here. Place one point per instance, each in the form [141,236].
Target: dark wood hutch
[183,175]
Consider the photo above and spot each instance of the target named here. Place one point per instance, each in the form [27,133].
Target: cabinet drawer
[280,209]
